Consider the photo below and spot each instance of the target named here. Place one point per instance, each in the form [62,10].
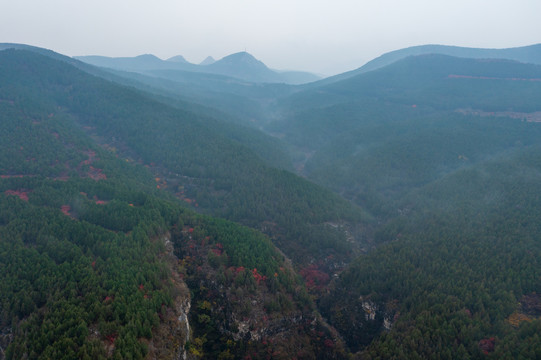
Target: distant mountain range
[526,54]
[240,65]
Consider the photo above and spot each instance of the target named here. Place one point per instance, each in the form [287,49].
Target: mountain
[178,58]
[215,171]
[363,117]
[435,79]
[444,153]
[410,229]
[139,63]
[97,202]
[527,54]
[208,60]
[241,66]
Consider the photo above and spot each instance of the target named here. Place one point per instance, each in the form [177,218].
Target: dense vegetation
[449,165]
[248,301]
[452,277]
[72,287]
[84,237]
[190,154]
[442,262]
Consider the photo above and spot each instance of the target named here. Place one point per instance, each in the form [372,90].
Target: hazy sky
[324,36]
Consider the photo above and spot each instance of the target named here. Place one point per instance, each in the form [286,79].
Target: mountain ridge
[526,54]
[76,173]
[241,65]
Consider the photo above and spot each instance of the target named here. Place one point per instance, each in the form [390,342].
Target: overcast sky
[323,36]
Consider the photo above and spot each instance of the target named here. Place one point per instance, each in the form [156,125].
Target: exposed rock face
[370,309]
[239,312]
[184,310]
[171,335]
[387,324]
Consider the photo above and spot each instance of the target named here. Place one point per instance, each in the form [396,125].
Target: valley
[156,209]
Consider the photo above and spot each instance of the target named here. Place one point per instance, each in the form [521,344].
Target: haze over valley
[194,181]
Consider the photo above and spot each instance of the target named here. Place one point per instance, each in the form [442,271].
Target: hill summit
[244,66]
[208,60]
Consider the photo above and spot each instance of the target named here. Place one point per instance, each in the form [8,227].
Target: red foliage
[314,278]
[66,209]
[11,176]
[23,195]
[237,270]
[218,248]
[487,345]
[96,174]
[258,277]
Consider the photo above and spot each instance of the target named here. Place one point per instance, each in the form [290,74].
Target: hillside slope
[444,152]
[98,262]
[385,132]
[192,159]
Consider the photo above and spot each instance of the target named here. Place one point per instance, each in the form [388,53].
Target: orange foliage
[516,318]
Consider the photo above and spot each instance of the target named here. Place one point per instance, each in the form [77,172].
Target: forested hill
[375,137]
[107,193]
[445,152]
[526,54]
[189,157]
[456,274]
[97,261]
[437,80]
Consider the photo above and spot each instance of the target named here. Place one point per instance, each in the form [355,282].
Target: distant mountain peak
[178,58]
[147,57]
[243,66]
[208,60]
[241,59]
